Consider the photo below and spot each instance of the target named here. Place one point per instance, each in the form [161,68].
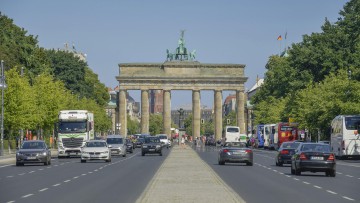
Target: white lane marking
[348,198]
[28,195]
[296,179]
[20,174]
[42,190]
[75,177]
[339,173]
[65,181]
[57,184]
[9,176]
[95,170]
[288,176]
[90,172]
[40,169]
[83,174]
[48,167]
[10,202]
[350,176]
[329,191]
[306,183]
[281,173]
[32,172]
[275,170]
[4,166]
[317,186]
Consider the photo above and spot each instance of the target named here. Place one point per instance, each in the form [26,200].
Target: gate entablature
[181,75]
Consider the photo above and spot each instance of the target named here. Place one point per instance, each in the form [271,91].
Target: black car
[129,145]
[313,157]
[285,152]
[139,142]
[152,145]
[33,151]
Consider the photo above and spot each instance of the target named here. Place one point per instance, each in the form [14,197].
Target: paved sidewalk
[185,177]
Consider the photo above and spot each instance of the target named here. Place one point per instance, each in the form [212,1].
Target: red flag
[279,38]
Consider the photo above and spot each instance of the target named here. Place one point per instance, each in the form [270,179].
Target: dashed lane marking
[21,174]
[76,177]
[32,172]
[57,184]
[9,176]
[306,183]
[329,191]
[317,186]
[42,190]
[28,195]
[348,198]
[350,176]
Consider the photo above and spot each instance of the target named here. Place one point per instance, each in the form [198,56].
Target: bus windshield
[72,127]
[352,123]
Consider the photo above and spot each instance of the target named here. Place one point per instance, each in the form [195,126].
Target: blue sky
[227,31]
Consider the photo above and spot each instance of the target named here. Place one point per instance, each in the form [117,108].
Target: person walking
[182,142]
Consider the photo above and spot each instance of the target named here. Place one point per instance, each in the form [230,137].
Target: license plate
[94,156]
[317,158]
[151,150]
[236,152]
[31,158]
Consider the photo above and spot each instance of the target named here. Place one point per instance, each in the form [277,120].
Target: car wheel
[280,164]
[249,163]
[124,155]
[332,173]
[83,161]
[108,160]
[297,171]
[276,163]
[18,164]
[160,154]
[142,154]
[49,162]
[292,170]
[221,162]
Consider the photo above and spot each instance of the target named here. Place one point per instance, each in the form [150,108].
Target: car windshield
[114,140]
[290,145]
[151,139]
[162,137]
[352,123]
[315,147]
[235,144]
[232,130]
[96,144]
[33,145]
[140,140]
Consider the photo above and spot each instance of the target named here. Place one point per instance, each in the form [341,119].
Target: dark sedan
[129,145]
[313,157]
[235,152]
[285,152]
[152,145]
[33,151]
[139,142]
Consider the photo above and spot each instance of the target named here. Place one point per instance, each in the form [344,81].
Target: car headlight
[105,152]
[18,153]
[158,146]
[44,153]
[144,146]
[84,152]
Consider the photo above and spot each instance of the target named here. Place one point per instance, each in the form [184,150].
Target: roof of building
[257,85]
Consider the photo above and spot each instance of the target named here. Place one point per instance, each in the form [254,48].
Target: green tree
[188,124]
[19,106]
[133,126]
[155,124]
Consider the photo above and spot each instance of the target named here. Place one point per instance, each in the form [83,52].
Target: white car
[95,150]
[117,143]
[165,142]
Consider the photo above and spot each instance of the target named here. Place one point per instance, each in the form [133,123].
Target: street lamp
[2,86]
[181,117]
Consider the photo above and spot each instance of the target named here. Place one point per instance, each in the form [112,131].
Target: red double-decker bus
[286,132]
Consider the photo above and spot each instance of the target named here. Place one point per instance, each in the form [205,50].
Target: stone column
[144,111]
[240,111]
[167,112]
[122,114]
[196,113]
[218,114]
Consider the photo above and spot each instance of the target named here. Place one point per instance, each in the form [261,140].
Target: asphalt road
[265,182]
[68,180]
[125,178]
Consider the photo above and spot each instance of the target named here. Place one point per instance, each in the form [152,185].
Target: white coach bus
[345,139]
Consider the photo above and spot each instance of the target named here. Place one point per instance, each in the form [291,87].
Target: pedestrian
[252,141]
[182,142]
[356,133]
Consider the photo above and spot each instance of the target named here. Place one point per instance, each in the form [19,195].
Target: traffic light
[202,121]
[228,121]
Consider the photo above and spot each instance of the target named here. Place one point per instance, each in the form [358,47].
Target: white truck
[75,127]
[232,134]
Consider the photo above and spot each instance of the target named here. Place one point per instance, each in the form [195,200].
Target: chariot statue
[181,52]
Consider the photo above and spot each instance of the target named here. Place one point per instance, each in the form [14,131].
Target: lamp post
[2,86]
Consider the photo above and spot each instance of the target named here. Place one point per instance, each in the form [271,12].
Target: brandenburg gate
[181,72]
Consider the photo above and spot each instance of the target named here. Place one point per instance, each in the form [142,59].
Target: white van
[344,143]
[232,134]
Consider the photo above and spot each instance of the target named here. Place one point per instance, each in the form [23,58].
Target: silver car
[235,152]
[95,150]
[117,143]
[33,151]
